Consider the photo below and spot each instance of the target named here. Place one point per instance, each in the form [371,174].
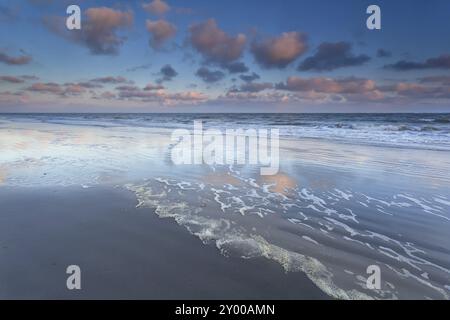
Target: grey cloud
[249,77]
[440,62]
[235,67]
[167,73]
[253,87]
[209,76]
[436,79]
[330,56]
[382,53]
[11,79]
[99,30]
[11,60]
[111,80]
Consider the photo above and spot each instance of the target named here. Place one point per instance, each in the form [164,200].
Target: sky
[225,56]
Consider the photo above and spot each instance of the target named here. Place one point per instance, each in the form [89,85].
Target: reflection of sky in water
[75,154]
[2,176]
[42,154]
[332,210]
[280,183]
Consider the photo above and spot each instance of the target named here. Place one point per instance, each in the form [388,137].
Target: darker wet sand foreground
[123,252]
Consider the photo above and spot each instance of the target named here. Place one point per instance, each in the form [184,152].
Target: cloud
[127,88]
[187,96]
[139,94]
[327,85]
[214,44]
[74,89]
[441,62]
[157,7]
[210,76]
[160,31]
[11,79]
[257,97]
[330,56]
[111,80]
[8,97]
[436,79]
[49,87]
[249,77]
[17,79]
[278,52]
[150,87]
[57,89]
[161,95]
[108,95]
[235,67]
[382,53]
[167,73]
[140,67]
[253,87]
[86,85]
[419,91]
[10,60]
[98,32]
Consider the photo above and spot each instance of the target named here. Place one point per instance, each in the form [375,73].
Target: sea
[354,192]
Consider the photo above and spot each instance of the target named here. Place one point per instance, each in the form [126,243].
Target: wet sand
[124,252]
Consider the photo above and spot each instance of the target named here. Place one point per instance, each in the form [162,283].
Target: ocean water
[429,131]
[353,190]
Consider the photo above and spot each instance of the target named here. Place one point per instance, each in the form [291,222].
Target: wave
[231,216]
[232,240]
[420,131]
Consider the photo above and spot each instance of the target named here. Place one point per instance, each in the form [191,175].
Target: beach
[123,252]
[101,192]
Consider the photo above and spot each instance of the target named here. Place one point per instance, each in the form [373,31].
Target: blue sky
[296,56]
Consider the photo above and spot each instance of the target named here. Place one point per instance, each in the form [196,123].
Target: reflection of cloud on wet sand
[2,176]
[219,179]
[281,183]
[25,140]
[111,177]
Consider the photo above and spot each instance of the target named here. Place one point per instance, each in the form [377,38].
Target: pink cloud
[99,33]
[157,7]
[214,44]
[327,85]
[108,95]
[278,52]
[160,31]
[74,89]
[11,79]
[49,87]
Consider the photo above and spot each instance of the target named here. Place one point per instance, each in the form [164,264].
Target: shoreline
[123,252]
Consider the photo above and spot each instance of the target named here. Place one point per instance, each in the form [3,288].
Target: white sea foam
[232,239]
[440,200]
[310,240]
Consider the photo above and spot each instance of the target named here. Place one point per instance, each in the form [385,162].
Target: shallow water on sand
[332,210]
